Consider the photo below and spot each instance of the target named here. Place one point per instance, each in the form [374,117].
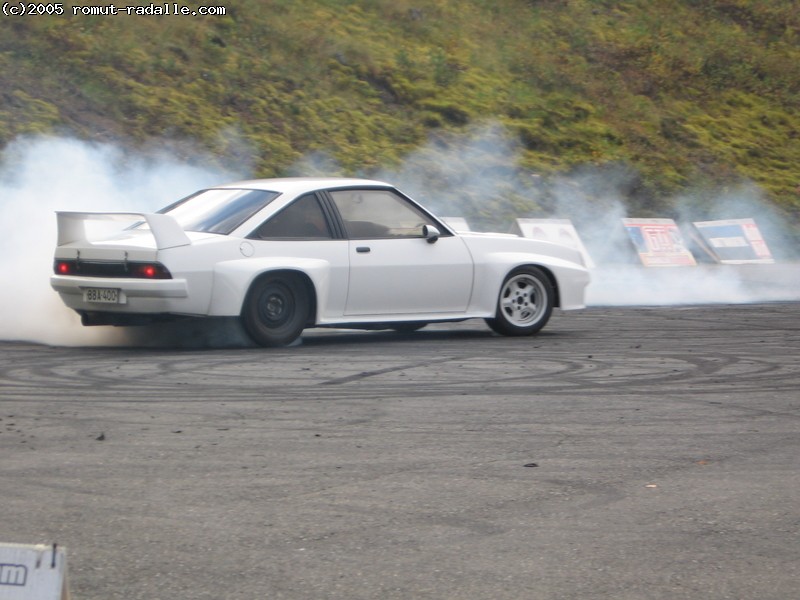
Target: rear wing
[165,229]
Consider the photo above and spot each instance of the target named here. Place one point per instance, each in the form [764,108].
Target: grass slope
[684,93]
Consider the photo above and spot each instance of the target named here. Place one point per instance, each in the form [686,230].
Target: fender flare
[232,280]
[497,265]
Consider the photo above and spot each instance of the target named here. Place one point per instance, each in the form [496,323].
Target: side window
[378,214]
[302,219]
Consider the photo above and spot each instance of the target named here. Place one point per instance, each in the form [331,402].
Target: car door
[394,269]
[304,230]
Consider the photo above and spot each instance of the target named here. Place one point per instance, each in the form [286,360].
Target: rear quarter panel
[233,278]
[196,265]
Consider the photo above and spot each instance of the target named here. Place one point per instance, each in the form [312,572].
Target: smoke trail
[472,175]
[41,175]
[476,176]
[619,279]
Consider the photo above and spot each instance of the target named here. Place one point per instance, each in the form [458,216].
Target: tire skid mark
[772,376]
[695,354]
[392,369]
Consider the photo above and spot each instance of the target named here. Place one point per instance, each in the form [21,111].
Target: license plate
[101,295]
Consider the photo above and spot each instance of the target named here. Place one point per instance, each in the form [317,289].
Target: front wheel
[524,304]
[275,310]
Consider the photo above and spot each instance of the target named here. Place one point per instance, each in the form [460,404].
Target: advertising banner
[658,242]
[733,241]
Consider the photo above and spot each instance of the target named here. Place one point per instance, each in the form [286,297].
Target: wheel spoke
[508,304]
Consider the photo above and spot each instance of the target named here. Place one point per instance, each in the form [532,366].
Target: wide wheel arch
[294,282]
[310,288]
[553,282]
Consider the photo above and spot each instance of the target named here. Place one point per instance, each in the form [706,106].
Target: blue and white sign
[734,241]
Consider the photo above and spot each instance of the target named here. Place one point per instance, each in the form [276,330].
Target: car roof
[299,185]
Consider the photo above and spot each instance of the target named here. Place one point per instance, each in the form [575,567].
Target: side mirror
[430,233]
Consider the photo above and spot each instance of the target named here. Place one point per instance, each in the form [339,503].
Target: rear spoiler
[165,229]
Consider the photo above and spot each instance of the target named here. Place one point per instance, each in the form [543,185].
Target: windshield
[218,210]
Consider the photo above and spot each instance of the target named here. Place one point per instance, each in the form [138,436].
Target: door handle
[362,249]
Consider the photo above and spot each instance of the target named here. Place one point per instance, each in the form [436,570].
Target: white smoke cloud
[626,285]
[472,175]
[620,280]
[475,176]
[40,175]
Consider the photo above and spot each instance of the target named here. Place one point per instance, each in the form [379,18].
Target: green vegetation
[685,93]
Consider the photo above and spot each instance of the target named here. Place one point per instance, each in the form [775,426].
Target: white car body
[351,277]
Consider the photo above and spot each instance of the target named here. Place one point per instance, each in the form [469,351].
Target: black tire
[276,309]
[524,304]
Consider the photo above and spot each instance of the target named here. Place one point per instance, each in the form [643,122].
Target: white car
[287,254]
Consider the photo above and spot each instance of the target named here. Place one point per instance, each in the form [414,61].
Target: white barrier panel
[457,223]
[733,241]
[30,572]
[559,231]
[658,242]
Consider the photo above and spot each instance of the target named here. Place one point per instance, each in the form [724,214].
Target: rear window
[218,210]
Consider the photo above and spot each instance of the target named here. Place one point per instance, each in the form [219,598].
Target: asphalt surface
[623,453]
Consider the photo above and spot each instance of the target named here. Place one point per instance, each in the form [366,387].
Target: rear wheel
[276,309]
[524,304]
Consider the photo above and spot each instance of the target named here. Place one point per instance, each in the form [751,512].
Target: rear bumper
[134,295]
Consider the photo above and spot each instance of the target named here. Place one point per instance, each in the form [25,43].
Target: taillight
[150,271]
[112,269]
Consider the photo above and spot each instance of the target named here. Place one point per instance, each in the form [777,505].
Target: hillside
[679,96]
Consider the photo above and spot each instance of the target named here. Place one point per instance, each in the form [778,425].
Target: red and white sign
[659,243]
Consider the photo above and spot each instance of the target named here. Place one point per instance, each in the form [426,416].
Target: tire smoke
[475,175]
[40,175]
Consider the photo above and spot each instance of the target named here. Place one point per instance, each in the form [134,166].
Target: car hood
[487,243]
